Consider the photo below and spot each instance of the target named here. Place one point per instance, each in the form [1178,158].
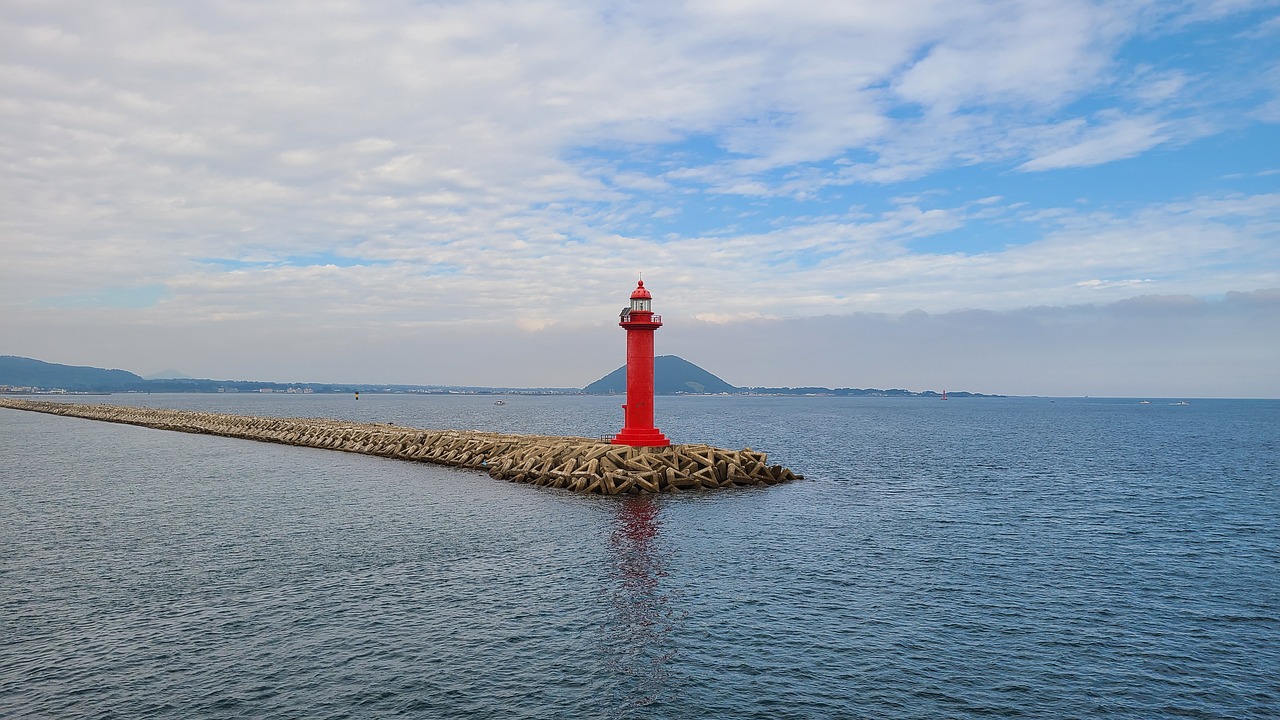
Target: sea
[967,558]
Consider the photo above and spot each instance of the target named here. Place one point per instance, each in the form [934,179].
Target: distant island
[673,375]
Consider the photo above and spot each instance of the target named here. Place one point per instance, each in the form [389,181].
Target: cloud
[1022,54]
[1093,145]
[1148,346]
[484,96]
[1109,284]
[454,169]
[484,266]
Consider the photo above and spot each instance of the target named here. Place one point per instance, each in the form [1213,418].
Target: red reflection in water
[637,522]
[643,618]
[634,542]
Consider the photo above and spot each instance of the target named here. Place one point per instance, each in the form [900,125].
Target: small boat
[1181,402]
[1144,402]
[501,402]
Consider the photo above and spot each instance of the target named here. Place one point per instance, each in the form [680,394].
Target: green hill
[25,372]
[671,375]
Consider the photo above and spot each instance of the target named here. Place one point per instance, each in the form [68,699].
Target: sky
[1029,197]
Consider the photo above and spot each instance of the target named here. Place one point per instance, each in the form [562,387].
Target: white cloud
[1093,145]
[1109,284]
[1150,346]
[1033,53]
[1154,88]
[351,167]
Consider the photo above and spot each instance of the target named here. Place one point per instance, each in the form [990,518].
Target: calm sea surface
[967,558]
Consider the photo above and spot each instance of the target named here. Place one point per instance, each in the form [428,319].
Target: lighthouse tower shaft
[640,323]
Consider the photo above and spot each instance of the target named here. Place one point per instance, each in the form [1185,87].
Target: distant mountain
[169,375]
[36,375]
[671,375]
[25,372]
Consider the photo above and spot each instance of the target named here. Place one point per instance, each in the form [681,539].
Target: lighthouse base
[646,437]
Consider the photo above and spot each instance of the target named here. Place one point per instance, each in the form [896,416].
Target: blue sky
[464,192]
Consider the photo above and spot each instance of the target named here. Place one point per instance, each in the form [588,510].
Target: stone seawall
[570,463]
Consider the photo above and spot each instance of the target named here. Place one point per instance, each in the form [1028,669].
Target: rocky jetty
[569,463]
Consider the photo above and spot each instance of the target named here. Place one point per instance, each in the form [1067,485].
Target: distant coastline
[676,376]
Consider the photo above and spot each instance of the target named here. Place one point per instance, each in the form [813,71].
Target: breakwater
[569,463]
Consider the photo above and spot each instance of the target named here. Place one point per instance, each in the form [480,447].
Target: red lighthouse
[640,322]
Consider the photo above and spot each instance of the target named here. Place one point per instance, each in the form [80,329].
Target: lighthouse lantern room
[640,323]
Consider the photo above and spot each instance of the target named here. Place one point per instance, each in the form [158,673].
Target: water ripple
[1008,558]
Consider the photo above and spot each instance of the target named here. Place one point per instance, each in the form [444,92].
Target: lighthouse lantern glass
[641,304]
